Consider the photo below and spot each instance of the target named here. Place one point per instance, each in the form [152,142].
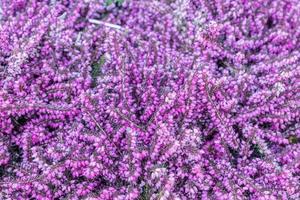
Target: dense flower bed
[169,99]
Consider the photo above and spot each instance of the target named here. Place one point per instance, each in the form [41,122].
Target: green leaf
[293,139]
[109,2]
[96,69]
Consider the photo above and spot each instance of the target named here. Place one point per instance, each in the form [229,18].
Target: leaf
[96,69]
[109,2]
[293,139]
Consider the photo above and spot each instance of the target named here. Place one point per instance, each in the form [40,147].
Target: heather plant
[171,99]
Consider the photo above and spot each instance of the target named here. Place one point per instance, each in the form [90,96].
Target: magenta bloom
[145,100]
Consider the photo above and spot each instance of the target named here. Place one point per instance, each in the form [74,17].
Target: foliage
[163,100]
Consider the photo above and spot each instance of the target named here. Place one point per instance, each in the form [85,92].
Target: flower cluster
[171,99]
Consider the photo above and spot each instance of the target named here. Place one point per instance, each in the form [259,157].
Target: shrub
[149,99]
